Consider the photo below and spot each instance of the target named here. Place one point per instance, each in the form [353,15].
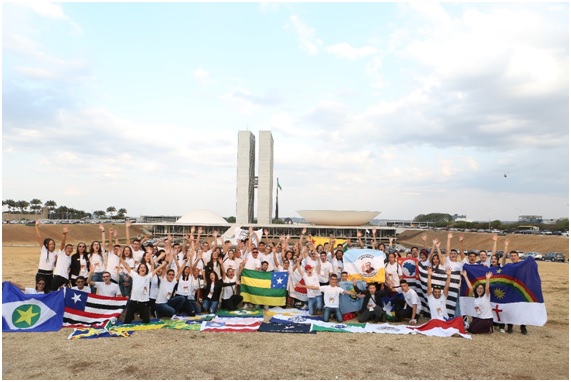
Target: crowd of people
[196,275]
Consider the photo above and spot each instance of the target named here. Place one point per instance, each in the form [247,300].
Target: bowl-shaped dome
[338,218]
[202,217]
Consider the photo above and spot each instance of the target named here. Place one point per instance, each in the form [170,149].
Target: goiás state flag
[515,292]
[31,312]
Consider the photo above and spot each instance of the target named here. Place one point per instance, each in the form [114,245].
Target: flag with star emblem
[30,312]
[264,288]
[87,309]
[515,292]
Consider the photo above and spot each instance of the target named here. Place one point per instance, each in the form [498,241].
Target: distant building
[530,219]
[458,218]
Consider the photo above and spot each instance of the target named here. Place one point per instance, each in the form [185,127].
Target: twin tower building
[247,180]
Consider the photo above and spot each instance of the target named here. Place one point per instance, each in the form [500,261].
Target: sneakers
[523,330]
[304,307]
[502,331]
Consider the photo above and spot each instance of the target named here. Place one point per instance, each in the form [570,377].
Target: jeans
[125,284]
[171,307]
[194,305]
[210,306]
[314,303]
[327,312]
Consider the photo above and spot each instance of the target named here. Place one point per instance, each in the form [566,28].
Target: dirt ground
[175,354]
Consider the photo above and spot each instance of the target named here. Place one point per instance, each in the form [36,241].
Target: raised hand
[424,236]
[461,238]
[438,244]
[488,275]
[101,227]
[199,230]
[65,229]
[38,222]
[450,235]
[127,223]
[429,271]
[506,242]
[449,271]
[215,233]
[359,234]
[303,231]
[495,237]
[374,231]
[266,231]
[434,241]
[192,229]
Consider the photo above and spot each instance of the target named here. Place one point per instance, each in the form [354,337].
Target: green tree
[36,205]
[231,219]
[51,206]
[111,210]
[11,204]
[434,217]
[562,224]
[99,213]
[121,213]
[22,205]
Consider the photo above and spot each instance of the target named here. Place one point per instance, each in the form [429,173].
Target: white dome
[202,217]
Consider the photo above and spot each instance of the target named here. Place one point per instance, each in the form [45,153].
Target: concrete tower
[246,177]
[265,177]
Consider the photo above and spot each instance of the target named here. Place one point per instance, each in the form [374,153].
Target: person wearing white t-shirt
[337,262]
[230,298]
[393,271]
[61,271]
[105,287]
[39,289]
[436,297]
[268,256]
[47,257]
[186,286]
[314,301]
[81,285]
[325,269]
[167,304]
[331,298]
[483,321]
[139,301]
[253,262]
[409,309]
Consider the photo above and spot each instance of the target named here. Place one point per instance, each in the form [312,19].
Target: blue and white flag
[348,303]
[31,312]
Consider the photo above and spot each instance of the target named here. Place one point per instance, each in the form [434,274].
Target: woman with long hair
[125,281]
[96,259]
[47,258]
[483,320]
[79,263]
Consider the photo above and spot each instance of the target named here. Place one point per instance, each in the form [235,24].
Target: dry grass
[173,354]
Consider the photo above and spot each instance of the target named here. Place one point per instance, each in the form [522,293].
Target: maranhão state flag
[264,288]
[87,309]
[515,292]
[365,264]
[30,312]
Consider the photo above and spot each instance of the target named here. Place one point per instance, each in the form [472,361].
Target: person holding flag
[483,322]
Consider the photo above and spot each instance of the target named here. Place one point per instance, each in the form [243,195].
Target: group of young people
[163,277]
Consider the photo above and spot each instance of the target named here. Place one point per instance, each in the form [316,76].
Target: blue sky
[400,108]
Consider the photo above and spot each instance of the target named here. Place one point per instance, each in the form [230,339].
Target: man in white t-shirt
[311,279]
[81,285]
[409,309]
[253,262]
[166,305]
[331,298]
[105,288]
[325,269]
[436,297]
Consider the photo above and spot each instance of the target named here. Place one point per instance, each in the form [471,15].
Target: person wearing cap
[436,297]
[314,301]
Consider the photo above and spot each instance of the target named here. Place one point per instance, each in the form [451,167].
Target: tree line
[35,206]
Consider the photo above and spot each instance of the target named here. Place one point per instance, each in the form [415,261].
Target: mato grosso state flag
[264,288]
[515,293]
[31,312]
[365,264]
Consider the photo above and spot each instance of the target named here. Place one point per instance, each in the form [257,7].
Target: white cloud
[305,34]
[345,50]
[45,9]
[202,76]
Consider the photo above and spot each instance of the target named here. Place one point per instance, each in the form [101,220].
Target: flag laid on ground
[282,319]
[91,333]
[240,313]
[238,321]
[348,303]
[198,318]
[284,328]
[515,293]
[88,309]
[365,264]
[183,325]
[210,326]
[284,312]
[264,288]
[336,327]
[387,329]
[441,328]
[31,312]
[439,278]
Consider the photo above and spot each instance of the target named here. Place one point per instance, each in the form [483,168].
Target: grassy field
[173,354]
